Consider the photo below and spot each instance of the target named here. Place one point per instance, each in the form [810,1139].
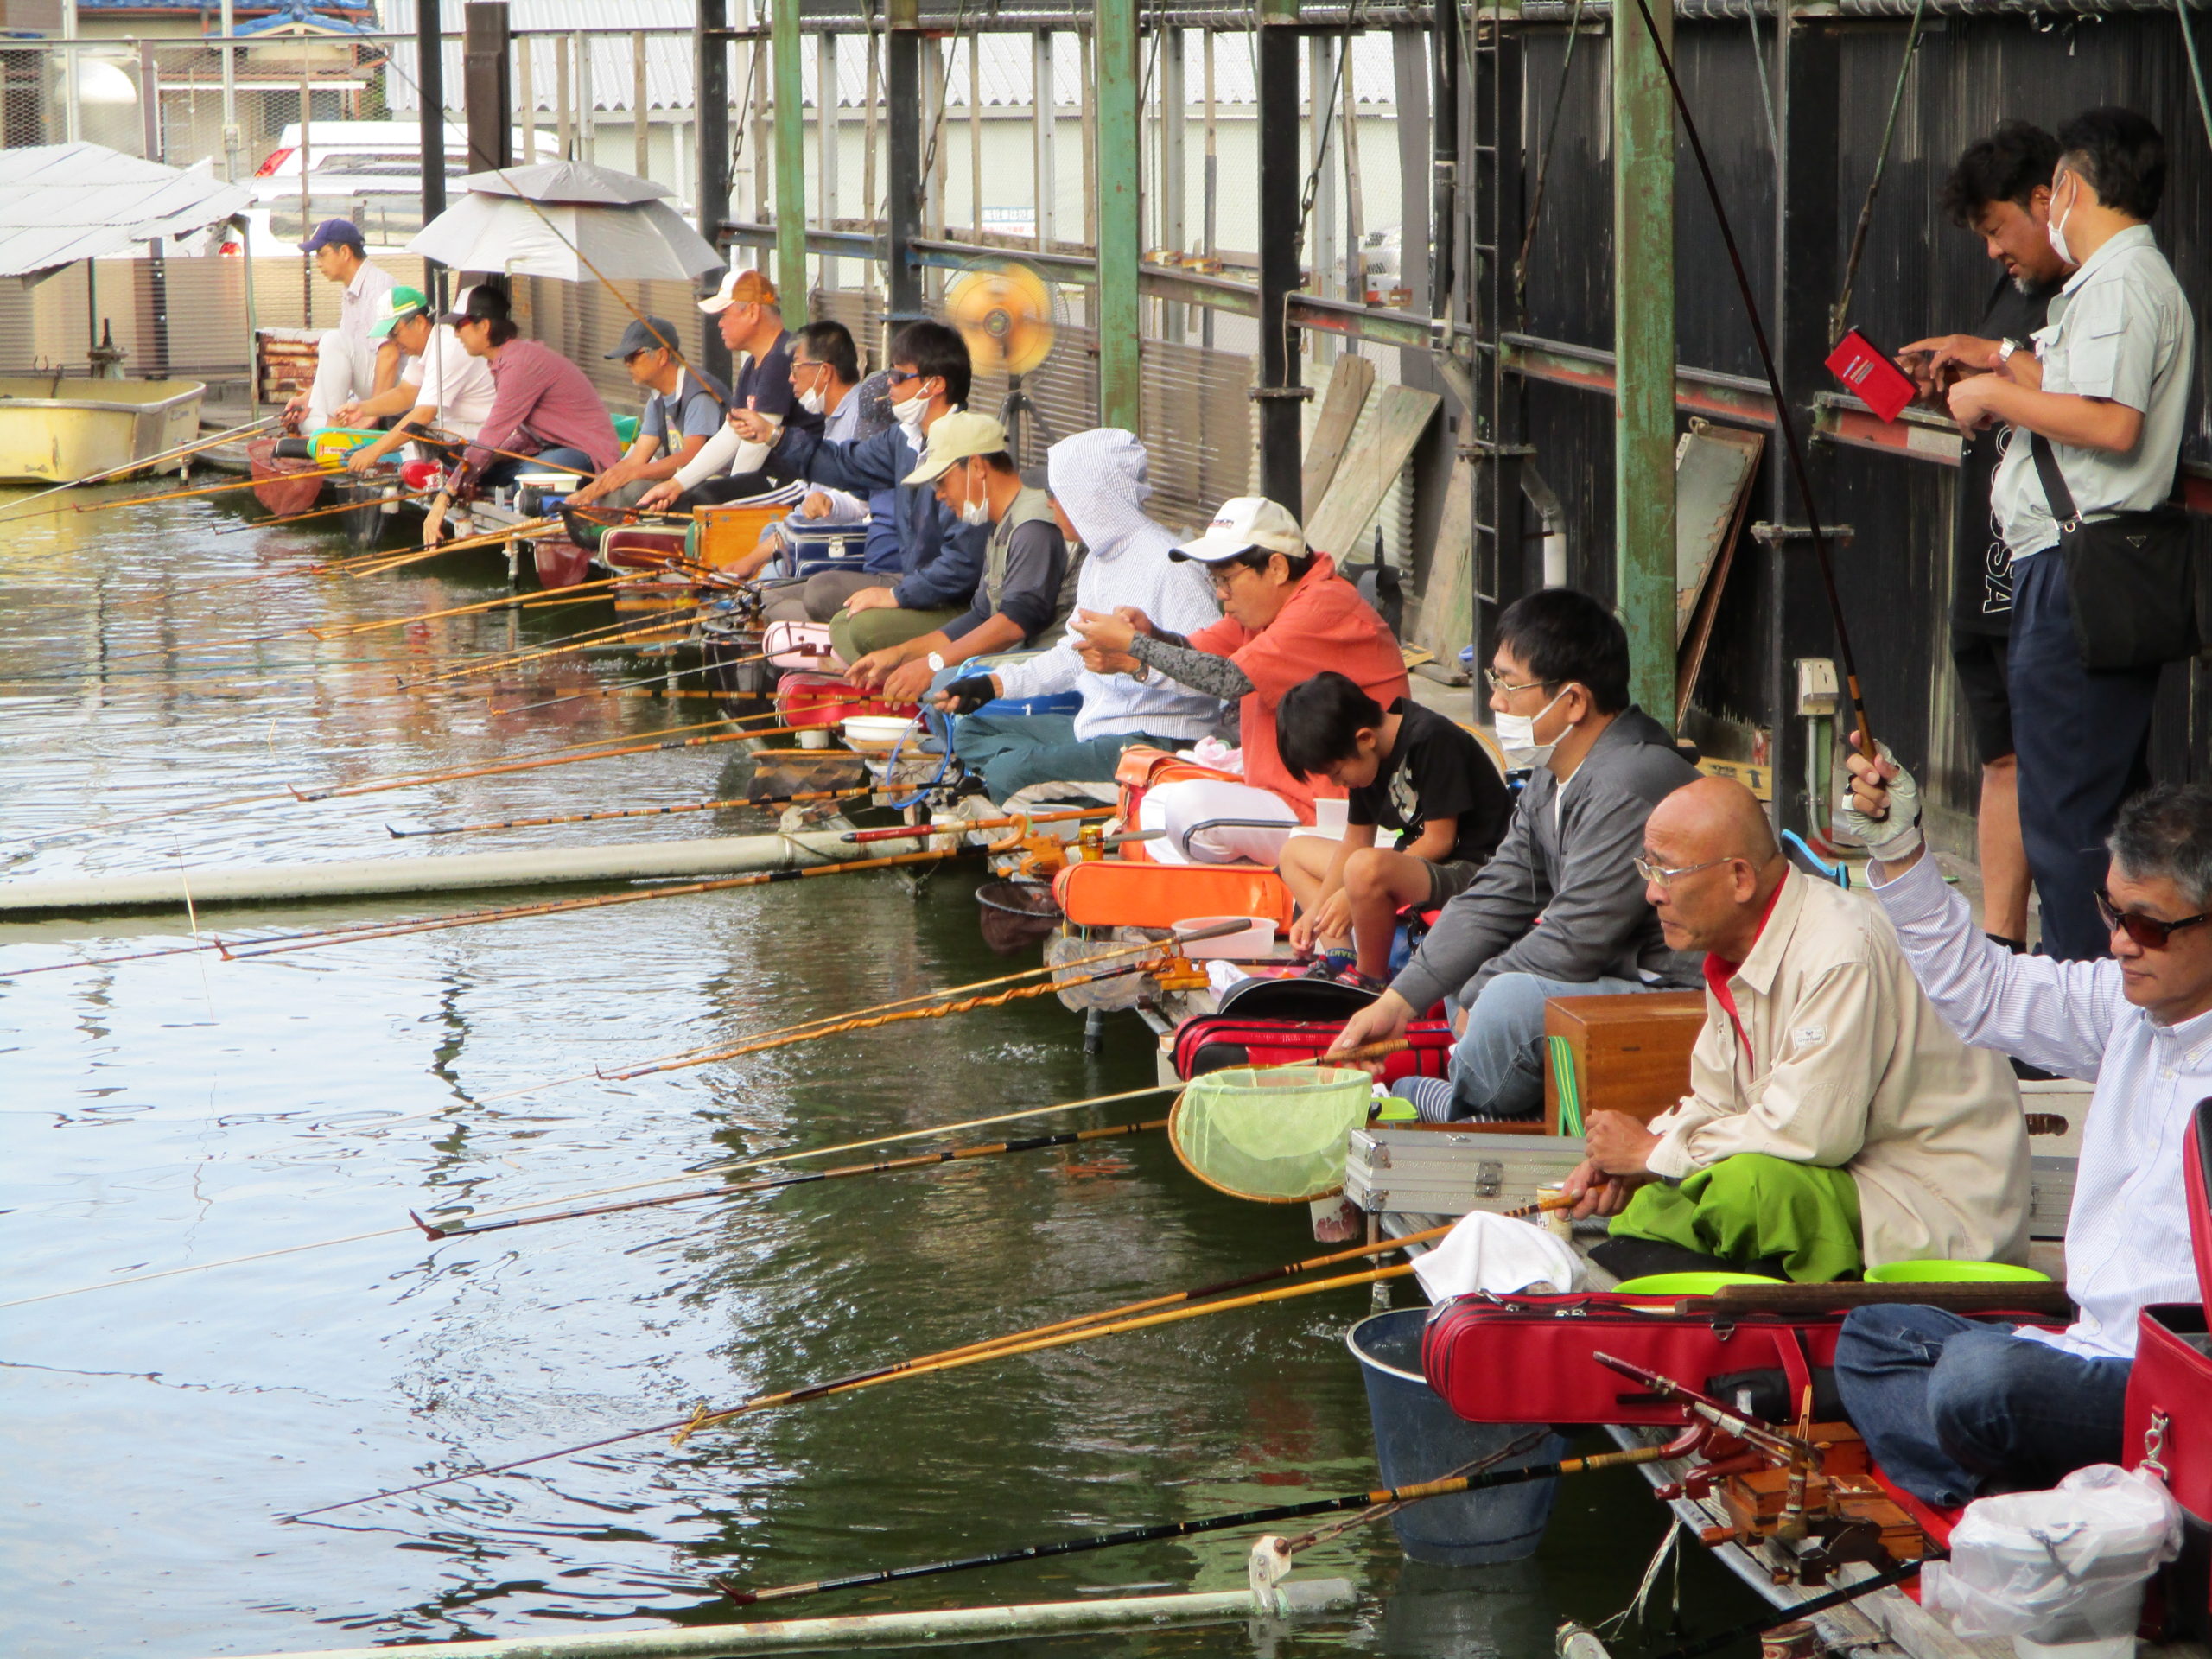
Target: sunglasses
[2147,931]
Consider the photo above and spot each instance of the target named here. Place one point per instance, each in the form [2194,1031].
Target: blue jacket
[941,559]
[883,555]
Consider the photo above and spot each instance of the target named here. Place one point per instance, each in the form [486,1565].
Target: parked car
[370,172]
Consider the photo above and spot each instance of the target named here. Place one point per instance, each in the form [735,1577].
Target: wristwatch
[2006,347]
[935,660]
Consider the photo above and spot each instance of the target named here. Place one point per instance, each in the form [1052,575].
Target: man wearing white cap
[439,384]
[1288,613]
[744,458]
[1027,588]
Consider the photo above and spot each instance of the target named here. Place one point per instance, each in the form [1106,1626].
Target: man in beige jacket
[1834,1121]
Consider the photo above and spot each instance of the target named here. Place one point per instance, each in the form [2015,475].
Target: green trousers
[855,637]
[1752,1207]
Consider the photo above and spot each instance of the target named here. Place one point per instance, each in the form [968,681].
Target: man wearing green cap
[1028,584]
[440,386]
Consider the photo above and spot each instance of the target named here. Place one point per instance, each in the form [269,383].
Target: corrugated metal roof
[60,203]
[1005,71]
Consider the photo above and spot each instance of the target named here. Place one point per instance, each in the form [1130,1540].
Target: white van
[370,172]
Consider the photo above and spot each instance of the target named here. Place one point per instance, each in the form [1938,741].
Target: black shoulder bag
[2131,578]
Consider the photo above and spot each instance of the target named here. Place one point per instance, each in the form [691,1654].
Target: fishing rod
[1806,1608]
[683,1428]
[177,454]
[317,512]
[816,1025]
[1381,1498]
[882,1167]
[556,760]
[184,495]
[398,834]
[615,634]
[788,1155]
[961,826]
[1783,423]
[372,563]
[521,602]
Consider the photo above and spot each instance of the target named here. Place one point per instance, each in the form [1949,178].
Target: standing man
[542,407]
[439,384]
[349,365]
[2000,190]
[2107,391]
[683,409]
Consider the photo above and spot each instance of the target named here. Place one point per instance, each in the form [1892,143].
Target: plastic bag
[2058,1567]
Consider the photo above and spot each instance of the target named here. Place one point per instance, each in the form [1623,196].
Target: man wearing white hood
[1099,481]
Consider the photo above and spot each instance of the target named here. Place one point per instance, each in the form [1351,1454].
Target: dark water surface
[177,1110]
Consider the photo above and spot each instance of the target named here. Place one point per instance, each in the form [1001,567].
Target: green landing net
[1275,1136]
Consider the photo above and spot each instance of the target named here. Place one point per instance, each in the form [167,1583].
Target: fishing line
[151,462]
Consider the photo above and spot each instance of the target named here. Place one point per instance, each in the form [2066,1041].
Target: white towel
[1498,1254]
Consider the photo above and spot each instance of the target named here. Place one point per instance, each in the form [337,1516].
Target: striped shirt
[2127,1237]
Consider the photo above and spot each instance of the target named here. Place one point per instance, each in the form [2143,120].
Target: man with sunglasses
[1832,1120]
[1953,1408]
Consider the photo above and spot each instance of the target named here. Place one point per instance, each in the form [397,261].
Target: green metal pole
[791,165]
[1119,195]
[1644,347]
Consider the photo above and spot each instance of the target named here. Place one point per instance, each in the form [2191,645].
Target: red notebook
[1869,375]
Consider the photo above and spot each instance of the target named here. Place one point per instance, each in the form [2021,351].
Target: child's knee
[1367,872]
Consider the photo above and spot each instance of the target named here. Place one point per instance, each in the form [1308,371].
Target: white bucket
[1257,939]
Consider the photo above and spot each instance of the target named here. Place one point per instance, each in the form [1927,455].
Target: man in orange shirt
[1286,612]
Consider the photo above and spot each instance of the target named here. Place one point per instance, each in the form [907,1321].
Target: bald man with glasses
[1832,1122]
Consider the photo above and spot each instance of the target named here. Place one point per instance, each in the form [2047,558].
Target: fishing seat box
[723,535]
[2169,1414]
[1141,770]
[1631,1051]
[808,552]
[636,547]
[1434,1169]
[797,644]
[1135,892]
[1215,1042]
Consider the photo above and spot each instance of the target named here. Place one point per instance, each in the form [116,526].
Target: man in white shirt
[349,365]
[2105,392]
[439,384]
[1951,1407]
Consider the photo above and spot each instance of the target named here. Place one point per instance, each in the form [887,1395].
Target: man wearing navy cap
[350,364]
[683,409]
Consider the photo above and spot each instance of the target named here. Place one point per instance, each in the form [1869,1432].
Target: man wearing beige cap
[742,460]
[1027,587]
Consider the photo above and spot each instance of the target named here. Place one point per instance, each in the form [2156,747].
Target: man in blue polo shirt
[683,409]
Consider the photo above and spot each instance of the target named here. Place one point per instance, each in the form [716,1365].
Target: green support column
[791,165]
[1643,346]
[1119,195]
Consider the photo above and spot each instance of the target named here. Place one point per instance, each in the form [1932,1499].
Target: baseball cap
[394,306]
[1242,525]
[644,335]
[343,230]
[739,287]
[474,303]
[956,437]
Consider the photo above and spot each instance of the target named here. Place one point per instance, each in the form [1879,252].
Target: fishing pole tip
[430,1230]
[738,1597]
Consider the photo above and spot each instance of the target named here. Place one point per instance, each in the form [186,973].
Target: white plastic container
[874,731]
[1257,940]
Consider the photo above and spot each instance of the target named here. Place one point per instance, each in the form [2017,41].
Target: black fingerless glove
[970,694]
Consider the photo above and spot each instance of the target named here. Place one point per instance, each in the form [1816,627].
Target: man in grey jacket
[1560,910]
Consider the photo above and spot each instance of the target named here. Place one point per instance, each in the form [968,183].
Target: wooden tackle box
[1442,1171]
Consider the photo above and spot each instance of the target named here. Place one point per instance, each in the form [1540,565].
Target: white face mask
[1517,735]
[908,412]
[812,402]
[2055,229]
[978,509]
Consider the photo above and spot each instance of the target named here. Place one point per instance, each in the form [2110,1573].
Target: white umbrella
[569,221]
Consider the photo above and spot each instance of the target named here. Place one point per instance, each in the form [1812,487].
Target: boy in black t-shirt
[1407,769]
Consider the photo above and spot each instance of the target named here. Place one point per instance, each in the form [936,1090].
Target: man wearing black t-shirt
[2000,190]
[1407,770]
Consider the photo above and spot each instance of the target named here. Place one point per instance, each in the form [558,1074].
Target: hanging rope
[1838,315]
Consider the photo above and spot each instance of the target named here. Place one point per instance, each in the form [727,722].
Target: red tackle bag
[2169,1421]
[1214,1042]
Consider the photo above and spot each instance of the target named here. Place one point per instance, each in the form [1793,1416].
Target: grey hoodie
[1565,859]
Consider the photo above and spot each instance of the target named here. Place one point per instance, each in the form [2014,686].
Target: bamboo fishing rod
[177,454]
[623,632]
[519,602]
[776,1183]
[186,495]
[317,512]
[683,1428]
[961,826]
[1784,422]
[788,1155]
[375,564]
[819,1024]
[1381,1498]
[398,834]
[504,767]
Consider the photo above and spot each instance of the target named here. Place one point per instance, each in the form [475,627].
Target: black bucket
[1017,914]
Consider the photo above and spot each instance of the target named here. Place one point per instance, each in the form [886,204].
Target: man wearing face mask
[2000,190]
[2097,411]
[1560,910]
[1026,587]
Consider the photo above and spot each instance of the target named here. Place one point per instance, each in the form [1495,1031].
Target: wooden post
[526,96]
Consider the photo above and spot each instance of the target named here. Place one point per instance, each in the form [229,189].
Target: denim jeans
[1951,1407]
[1014,751]
[506,469]
[1497,1066]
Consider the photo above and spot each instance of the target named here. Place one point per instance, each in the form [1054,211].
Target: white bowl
[874,731]
[1257,939]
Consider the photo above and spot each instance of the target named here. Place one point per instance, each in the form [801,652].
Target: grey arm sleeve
[1478,925]
[1217,676]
